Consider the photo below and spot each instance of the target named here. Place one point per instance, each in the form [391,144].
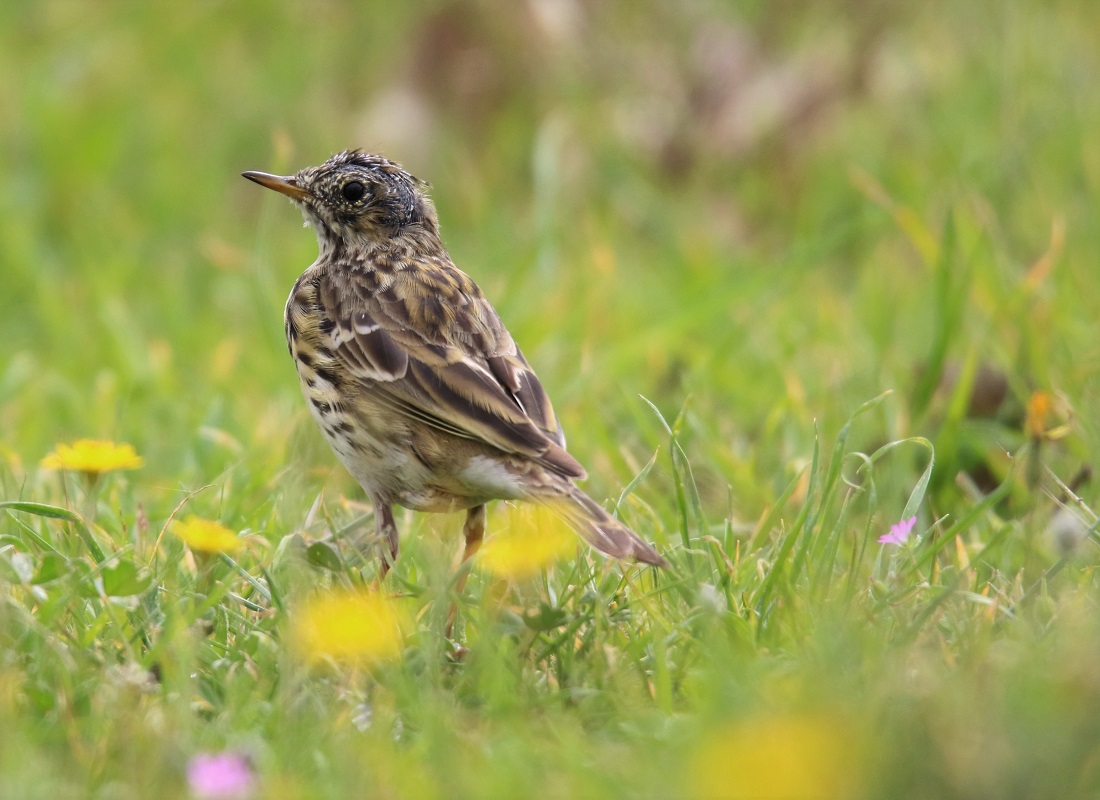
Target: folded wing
[437,351]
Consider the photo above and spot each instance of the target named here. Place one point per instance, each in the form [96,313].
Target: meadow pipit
[410,373]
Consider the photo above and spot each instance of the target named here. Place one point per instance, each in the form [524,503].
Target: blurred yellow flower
[777,757]
[527,539]
[351,626]
[206,536]
[1039,407]
[93,457]
[1049,416]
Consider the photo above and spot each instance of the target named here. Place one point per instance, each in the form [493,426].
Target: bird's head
[356,198]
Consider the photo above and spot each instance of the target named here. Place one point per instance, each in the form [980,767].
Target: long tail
[602,531]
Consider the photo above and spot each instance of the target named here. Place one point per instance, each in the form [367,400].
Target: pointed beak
[288,186]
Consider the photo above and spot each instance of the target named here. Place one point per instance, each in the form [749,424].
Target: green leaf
[41,510]
[123,579]
[921,487]
[324,555]
[547,618]
[56,512]
[53,566]
[85,578]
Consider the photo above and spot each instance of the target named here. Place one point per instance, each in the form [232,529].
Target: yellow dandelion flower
[93,457]
[527,539]
[1049,416]
[777,757]
[206,536]
[359,627]
[1039,406]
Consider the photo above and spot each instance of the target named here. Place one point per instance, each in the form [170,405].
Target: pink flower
[220,776]
[899,532]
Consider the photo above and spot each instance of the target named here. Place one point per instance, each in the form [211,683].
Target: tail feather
[604,532]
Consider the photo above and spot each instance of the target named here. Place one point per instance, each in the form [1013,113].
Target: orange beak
[288,186]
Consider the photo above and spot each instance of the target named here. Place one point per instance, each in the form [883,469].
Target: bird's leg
[474,530]
[387,536]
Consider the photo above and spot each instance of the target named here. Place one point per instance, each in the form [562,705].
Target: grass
[768,342]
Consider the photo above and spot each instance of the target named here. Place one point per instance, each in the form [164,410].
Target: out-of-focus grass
[717,234]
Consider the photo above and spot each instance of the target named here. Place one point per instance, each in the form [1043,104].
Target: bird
[409,371]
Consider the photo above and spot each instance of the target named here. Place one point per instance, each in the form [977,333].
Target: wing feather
[437,351]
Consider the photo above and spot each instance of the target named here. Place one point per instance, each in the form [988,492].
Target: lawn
[797,277]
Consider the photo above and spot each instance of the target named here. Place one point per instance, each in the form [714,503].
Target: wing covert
[439,353]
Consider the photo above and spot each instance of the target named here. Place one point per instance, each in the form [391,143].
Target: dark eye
[353,191]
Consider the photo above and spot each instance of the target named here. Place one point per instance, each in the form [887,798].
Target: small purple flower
[899,532]
[220,776]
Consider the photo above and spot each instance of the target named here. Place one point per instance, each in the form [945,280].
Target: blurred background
[759,213]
